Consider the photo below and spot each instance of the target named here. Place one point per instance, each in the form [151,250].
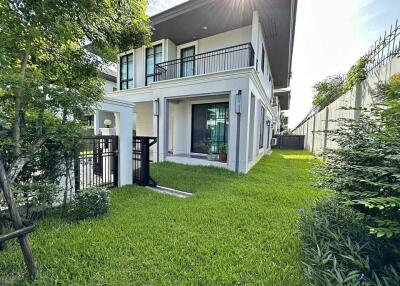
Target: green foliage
[365,168]
[49,80]
[235,230]
[90,203]
[36,197]
[339,251]
[223,149]
[356,74]
[328,90]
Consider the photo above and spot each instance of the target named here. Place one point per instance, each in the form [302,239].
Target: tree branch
[17,166]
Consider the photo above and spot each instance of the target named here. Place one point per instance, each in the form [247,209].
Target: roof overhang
[284,98]
[187,22]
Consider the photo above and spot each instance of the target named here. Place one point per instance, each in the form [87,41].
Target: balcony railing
[231,58]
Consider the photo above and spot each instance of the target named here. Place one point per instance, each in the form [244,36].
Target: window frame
[127,80]
[192,60]
[263,59]
[146,76]
[262,127]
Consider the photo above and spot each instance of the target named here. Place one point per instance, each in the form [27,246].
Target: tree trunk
[17,222]
[18,102]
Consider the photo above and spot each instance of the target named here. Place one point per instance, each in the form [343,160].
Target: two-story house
[208,81]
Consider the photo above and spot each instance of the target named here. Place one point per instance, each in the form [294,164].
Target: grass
[235,230]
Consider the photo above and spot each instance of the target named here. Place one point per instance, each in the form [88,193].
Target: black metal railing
[96,163]
[384,49]
[235,57]
[141,160]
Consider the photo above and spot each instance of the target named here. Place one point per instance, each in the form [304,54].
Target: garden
[235,229]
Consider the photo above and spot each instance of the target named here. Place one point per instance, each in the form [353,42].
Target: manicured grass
[235,230]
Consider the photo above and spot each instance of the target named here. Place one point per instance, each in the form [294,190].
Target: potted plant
[208,146]
[222,154]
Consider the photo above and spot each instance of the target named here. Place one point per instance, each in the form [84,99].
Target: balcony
[231,58]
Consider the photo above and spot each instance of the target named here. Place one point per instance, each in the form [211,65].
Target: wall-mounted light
[156,107]
[238,102]
[268,123]
[107,123]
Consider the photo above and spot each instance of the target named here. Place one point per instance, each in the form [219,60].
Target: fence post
[326,127]
[358,101]
[145,158]
[313,135]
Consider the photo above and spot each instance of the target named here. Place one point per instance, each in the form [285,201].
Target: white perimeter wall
[359,96]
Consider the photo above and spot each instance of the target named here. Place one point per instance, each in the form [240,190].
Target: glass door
[187,62]
[210,122]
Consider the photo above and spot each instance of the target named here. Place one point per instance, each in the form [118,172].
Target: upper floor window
[262,127]
[187,61]
[263,59]
[126,72]
[153,57]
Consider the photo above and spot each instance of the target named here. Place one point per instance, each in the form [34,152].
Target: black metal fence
[294,142]
[96,163]
[141,160]
[235,57]
[384,49]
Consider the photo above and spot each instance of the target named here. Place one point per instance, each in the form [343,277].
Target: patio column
[160,130]
[238,140]
[123,112]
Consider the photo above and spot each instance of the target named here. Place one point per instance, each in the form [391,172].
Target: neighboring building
[210,76]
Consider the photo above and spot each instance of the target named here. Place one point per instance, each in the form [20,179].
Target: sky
[330,36]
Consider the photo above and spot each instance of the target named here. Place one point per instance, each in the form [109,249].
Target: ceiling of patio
[186,22]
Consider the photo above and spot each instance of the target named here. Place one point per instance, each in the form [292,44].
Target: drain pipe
[238,110]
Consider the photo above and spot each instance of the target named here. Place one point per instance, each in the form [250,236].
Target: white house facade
[209,83]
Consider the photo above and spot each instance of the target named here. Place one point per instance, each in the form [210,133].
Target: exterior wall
[220,86]
[224,40]
[360,96]
[171,51]
[144,118]
[109,86]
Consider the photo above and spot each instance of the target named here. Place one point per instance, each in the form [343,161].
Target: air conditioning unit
[274,141]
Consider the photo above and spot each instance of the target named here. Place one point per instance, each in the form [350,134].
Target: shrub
[36,197]
[338,250]
[90,203]
[365,169]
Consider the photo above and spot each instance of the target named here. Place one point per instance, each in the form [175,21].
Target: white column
[244,131]
[124,127]
[96,122]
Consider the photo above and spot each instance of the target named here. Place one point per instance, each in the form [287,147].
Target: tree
[48,80]
[328,90]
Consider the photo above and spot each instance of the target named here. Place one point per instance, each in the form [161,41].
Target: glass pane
[124,65]
[209,122]
[187,65]
[150,79]
[150,66]
[130,84]
[130,67]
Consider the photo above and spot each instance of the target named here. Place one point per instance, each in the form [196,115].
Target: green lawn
[235,230]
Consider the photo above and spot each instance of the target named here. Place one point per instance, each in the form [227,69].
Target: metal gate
[141,160]
[96,163]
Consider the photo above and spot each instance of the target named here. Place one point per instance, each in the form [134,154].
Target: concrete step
[169,191]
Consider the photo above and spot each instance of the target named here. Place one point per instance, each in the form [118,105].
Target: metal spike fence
[384,49]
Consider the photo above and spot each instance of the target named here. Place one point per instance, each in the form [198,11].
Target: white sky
[330,36]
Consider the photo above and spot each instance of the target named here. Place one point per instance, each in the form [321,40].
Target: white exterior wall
[175,107]
[144,118]
[109,86]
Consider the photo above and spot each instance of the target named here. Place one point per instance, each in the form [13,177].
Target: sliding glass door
[209,123]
